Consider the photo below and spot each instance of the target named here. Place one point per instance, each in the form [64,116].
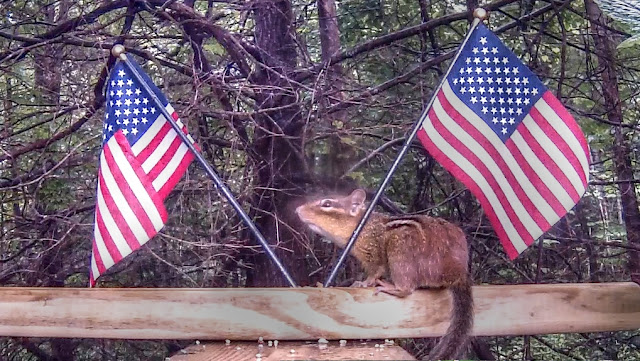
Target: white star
[134,131]
[144,120]
[129,82]
[481,90]
[468,61]
[518,101]
[129,92]
[470,80]
[135,121]
[145,100]
[480,80]
[491,91]
[112,93]
[138,91]
[494,120]
[483,100]
[127,112]
[127,102]
[526,101]
[519,111]
[511,111]
[534,91]
[463,90]
[475,50]
[483,40]
[120,83]
[110,127]
[472,90]
[153,110]
[485,51]
[121,73]
[462,81]
[145,110]
[505,60]
[476,60]
[478,70]
[113,83]
[504,130]
[486,61]
[117,112]
[515,70]
[485,110]
[125,131]
[136,111]
[525,81]
[125,121]
[503,110]
[455,81]
[119,93]
[474,100]
[136,101]
[494,50]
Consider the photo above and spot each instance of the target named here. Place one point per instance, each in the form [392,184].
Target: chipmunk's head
[335,217]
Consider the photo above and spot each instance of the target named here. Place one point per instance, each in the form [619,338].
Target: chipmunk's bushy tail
[454,342]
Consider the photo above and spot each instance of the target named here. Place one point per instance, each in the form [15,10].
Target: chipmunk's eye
[326,203]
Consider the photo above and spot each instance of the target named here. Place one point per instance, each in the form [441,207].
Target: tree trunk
[277,142]
[605,50]
[341,155]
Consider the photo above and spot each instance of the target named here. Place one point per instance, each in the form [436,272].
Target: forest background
[289,98]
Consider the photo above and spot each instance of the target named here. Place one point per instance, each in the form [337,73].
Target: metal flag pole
[119,52]
[479,15]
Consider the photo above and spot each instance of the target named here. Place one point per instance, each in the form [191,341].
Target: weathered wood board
[237,351]
[310,313]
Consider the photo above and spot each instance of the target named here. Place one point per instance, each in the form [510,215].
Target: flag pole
[479,14]
[119,52]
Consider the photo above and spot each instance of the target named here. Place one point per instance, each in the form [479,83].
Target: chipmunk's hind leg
[391,289]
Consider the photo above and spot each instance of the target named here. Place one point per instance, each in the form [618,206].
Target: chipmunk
[415,251]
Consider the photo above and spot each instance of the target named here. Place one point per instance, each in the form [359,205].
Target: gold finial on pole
[480,13]
[118,51]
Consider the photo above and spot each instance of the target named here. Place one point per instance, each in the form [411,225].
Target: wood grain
[310,313]
[302,351]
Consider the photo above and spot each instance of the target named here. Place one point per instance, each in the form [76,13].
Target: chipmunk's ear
[357,201]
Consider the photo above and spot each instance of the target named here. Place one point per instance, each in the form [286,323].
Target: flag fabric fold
[496,128]
[142,160]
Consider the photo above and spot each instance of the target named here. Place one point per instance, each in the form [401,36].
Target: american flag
[142,159]
[499,131]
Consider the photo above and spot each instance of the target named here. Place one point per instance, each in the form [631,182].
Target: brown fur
[415,251]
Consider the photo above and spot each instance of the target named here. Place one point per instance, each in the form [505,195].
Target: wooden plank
[310,313]
[237,351]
